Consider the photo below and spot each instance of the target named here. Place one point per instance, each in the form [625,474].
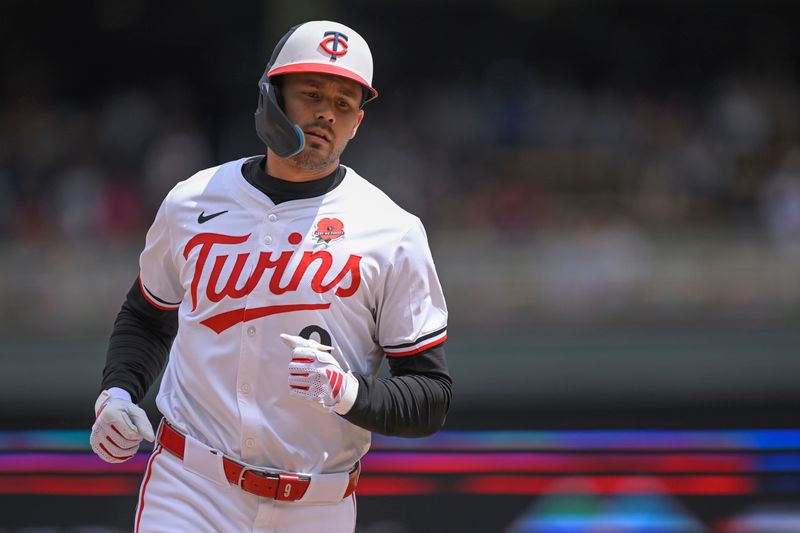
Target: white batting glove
[119,427]
[315,375]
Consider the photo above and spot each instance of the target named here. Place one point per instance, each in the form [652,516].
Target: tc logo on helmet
[335,44]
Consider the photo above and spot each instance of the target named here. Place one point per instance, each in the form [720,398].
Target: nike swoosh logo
[202,218]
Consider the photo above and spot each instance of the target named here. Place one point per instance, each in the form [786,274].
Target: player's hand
[119,428]
[315,375]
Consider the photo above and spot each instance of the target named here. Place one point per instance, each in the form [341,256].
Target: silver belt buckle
[245,470]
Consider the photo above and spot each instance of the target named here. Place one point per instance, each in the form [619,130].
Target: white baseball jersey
[349,266]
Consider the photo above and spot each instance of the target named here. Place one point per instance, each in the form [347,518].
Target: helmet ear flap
[273,127]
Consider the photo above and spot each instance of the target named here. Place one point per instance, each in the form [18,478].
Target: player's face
[327,110]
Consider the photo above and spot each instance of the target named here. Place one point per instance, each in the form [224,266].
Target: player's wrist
[110,394]
[349,395]
[122,394]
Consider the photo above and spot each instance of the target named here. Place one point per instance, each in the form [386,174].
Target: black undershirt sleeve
[413,402]
[139,344]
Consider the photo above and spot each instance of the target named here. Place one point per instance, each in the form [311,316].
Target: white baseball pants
[173,499]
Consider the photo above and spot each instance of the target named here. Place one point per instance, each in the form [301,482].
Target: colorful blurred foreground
[743,481]
[575,507]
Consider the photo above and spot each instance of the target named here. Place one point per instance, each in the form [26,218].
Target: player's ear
[358,123]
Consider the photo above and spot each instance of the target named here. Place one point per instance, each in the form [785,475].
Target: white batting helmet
[319,46]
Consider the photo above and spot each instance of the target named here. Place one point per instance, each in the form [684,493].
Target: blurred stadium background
[612,192]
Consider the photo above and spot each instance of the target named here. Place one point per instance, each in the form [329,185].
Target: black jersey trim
[155,299]
[424,337]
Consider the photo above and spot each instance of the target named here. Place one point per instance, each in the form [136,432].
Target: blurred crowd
[516,155]
[511,155]
[84,172]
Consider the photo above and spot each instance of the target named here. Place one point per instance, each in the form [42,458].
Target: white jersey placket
[246,375]
[254,348]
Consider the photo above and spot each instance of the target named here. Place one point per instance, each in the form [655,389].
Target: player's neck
[287,169]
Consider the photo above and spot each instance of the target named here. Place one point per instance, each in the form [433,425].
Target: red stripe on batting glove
[337,383]
[109,439]
[123,436]
[122,458]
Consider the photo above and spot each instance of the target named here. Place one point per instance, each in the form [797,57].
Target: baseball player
[277,284]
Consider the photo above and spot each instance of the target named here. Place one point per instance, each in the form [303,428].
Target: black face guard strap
[273,127]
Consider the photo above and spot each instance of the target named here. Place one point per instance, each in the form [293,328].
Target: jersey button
[251,331]
[245,388]
[250,443]
[272,218]
[267,240]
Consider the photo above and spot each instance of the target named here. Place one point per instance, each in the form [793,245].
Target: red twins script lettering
[278,265]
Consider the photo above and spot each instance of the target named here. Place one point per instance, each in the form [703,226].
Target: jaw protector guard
[323,47]
[272,125]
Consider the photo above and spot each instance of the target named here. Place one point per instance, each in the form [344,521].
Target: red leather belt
[285,487]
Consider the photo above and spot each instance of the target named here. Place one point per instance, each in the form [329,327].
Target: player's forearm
[412,403]
[403,406]
[139,344]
